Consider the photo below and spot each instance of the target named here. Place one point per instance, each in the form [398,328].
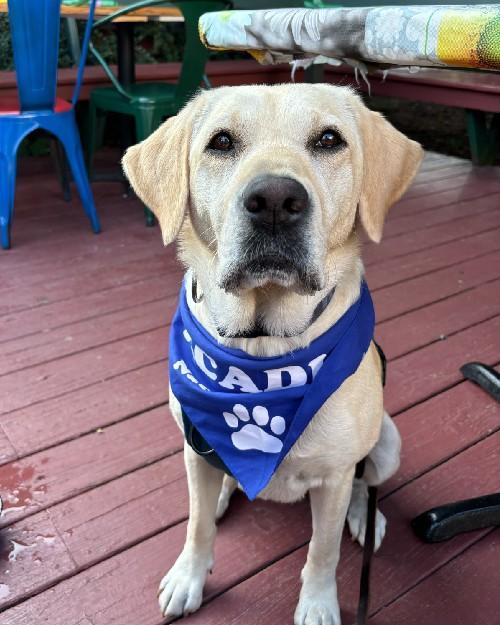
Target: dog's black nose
[274,201]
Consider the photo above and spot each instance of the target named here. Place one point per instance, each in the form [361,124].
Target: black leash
[368,550]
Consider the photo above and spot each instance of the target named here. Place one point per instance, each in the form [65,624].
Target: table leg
[315,73]
[125,49]
[125,53]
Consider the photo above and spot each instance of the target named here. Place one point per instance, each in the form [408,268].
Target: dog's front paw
[357,527]
[181,590]
[356,516]
[318,607]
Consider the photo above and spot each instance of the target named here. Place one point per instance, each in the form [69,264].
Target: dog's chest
[319,452]
[290,484]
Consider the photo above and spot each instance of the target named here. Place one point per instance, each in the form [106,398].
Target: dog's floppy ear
[390,162]
[158,170]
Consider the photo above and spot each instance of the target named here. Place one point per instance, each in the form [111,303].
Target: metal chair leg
[146,122]
[66,131]
[11,136]
[61,168]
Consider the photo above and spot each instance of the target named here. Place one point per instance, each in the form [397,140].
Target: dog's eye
[328,140]
[222,142]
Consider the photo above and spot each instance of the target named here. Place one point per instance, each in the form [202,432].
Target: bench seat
[476,92]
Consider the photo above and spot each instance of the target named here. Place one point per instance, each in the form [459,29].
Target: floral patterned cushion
[444,36]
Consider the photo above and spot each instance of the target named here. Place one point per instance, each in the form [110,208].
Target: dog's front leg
[181,589]
[318,603]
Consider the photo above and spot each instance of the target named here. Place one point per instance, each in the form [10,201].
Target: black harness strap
[200,446]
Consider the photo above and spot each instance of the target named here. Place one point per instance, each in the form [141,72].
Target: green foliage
[6,61]
[154,43]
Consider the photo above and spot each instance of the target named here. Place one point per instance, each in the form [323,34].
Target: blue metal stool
[35,41]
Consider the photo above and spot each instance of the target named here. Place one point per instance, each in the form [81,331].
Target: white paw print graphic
[252,435]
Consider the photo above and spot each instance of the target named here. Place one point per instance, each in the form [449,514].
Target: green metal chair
[150,103]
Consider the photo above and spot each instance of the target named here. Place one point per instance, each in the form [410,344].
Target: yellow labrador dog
[321,166]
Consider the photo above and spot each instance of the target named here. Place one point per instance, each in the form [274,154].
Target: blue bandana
[252,410]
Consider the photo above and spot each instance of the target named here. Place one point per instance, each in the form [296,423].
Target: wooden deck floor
[92,474]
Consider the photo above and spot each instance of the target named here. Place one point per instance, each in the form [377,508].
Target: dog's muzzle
[273,247]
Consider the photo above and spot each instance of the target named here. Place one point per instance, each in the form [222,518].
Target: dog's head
[272,178]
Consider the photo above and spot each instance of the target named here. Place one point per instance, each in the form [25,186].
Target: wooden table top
[156,13]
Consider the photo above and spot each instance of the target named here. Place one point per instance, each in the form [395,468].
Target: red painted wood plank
[391,296]
[52,214]
[92,523]
[439,320]
[220,73]
[47,423]
[464,191]
[446,171]
[270,596]
[68,374]
[448,92]
[37,179]
[418,263]
[122,512]
[442,427]
[32,236]
[99,587]
[39,182]
[417,292]
[91,526]
[420,374]
[439,160]
[431,237]
[66,254]
[85,335]
[470,474]
[27,427]
[27,553]
[121,590]
[90,306]
[462,592]
[100,279]
[7,452]
[55,474]
[58,238]
[93,257]
[109,609]
[395,210]
[475,176]
[427,218]
[43,296]
[77,212]
[432,156]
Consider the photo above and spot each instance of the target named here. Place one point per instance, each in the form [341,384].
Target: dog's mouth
[267,269]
